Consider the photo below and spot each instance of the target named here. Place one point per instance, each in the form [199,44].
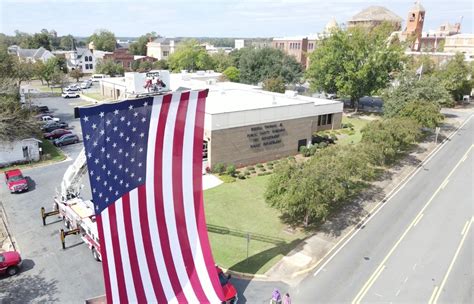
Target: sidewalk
[306,257]
[7,242]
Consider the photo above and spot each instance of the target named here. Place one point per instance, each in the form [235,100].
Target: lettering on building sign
[266,136]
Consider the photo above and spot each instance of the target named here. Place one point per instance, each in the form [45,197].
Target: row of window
[89,66]
[324,119]
[310,46]
[295,45]
[88,58]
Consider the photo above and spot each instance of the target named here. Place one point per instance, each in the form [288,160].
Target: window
[165,53]
[204,150]
[90,58]
[91,66]
[86,58]
[324,119]
[310,46]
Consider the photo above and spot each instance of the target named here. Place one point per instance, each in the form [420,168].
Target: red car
[10,262]
[230,293]
[16,182]
[56,133]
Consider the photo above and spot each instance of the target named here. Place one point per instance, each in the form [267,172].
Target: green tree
[455,77]
[38,68]
[424,61]
[161,65]
[139,47]
[15,122]
[189,55]
[427,114]
[76,74]
[354,62]
[232,74]
[222,61]
[49,69]
[58,77]
[428,89]
[24,71]
[7,63]
[274,85]
[391,136]
[104,40]
[145,66]
[67,42]
[256,65]
[109,67]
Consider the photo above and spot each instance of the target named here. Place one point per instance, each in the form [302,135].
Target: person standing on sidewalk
[287,299]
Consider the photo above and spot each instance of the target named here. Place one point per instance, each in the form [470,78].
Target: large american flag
[145,167]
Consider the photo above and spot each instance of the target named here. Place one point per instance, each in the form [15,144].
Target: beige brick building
[244,127]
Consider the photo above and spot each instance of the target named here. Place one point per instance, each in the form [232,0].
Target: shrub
[241,176]
[218,168]
[270,167]
[304,151]
[270,163]
[250,168]
[263,169]
[334,137]
[264,173]
[231,170]
[259,165]
[247,172]
[227,179]
[323,145]
[351,132]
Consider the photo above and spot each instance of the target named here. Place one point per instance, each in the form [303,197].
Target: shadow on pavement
[257,261]
[31,183]
[28,288]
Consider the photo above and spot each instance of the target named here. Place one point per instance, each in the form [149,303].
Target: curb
[247,276]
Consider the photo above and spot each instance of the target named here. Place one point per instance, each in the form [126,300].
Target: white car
[70,94]
[49,118]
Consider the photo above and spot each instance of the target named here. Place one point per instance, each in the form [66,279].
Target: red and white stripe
[154,240]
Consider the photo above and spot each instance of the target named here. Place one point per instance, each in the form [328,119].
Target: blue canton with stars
[115,140]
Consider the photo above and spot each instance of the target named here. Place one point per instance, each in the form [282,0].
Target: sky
[209,18]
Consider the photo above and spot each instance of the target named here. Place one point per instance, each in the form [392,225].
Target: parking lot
[49,273]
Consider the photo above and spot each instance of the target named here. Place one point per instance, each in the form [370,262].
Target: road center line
[417,219]
[433,295]
[372,278]
[452,262]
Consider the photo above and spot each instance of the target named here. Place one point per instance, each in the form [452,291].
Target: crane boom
[70,185]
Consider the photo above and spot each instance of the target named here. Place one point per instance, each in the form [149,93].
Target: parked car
[230,293]
[15,180]
[10,262]
[44,117]
[56,133]
[66,139]
[40,109]
[86,84]
[71,93]
[72,87]
[53,125]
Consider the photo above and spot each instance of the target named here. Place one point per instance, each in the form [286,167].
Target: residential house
[81,58]
[31,55]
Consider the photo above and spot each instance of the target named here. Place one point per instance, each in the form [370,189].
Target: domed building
[375,15]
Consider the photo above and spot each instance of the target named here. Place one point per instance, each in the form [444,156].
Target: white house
[23,150]
[81,58]
[31,55]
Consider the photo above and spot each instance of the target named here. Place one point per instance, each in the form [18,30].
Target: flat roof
[227,100]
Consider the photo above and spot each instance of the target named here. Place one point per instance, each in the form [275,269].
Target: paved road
[49,273]
[406,253]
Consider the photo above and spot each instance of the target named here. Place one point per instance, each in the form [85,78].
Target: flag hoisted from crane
[145,167]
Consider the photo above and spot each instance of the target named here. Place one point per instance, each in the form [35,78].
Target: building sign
[266,136]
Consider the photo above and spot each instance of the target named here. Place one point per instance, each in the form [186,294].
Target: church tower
[414,29]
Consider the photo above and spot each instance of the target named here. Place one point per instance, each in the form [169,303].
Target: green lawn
[55,155]
[344,138]
[235,209]
[45,88]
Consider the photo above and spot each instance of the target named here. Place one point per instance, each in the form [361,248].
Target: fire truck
[77,213]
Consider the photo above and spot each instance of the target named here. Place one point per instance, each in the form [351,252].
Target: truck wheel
[95,255]
[11,271]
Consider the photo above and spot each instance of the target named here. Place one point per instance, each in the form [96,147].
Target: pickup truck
[15,180]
